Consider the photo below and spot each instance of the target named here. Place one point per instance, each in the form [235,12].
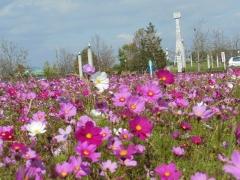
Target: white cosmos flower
[229,85]
[96,113]
[36,127]
[100,80]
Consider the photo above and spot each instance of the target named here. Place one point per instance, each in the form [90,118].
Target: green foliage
[146,45]
[50,71]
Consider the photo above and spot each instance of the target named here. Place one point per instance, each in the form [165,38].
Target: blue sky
[42,26]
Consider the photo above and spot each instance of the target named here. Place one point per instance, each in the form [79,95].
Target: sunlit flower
[100,81]
[36,127]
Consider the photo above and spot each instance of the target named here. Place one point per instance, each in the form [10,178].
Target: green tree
[146,45]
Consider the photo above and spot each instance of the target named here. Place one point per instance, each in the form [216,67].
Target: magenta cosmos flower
[89,133]
[165,76]
[136,104]
[151,92]
[141,127]
[196,140]
[88,151]
[120,99]
[233,166]
[168,172]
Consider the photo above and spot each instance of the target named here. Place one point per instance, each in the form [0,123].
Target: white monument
[208,62]
[223,59]
[217,61]
[180,52]
[90,58]
[80,65]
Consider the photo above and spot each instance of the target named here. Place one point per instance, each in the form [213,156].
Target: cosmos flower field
[169,127]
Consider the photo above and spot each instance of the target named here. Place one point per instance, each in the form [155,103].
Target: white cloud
[17,7]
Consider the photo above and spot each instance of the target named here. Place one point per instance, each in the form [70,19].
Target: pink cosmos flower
[125,135]
[165,76]
[79,167]
[151,92]
[200,110]
[136,104]
[64,169]
[233,166]
[120,99]
[106,133]
[178,151]
[88,69]
[39,116]
[168,171]
[88,150]
[201,176]
[67,110]
[141,127]
[109,165]
[83,120]
[89,133]
[63,134]
[125,153]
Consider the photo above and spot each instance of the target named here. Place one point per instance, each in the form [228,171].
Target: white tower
[80,65]
[180,52]
[90,58]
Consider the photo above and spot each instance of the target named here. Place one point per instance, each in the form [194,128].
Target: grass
[203,67]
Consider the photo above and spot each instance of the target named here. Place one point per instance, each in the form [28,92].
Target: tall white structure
[180,52]
[80,65]
[90,57]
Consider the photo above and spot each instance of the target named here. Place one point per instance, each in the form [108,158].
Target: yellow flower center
[125,136]
[98,81]
[138,127]
[103,134]
[86,152]
[63,174]
[133,106]
[163,78]
[123,152]
[150,93]
[167,174]
[122,99]
[89,135]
